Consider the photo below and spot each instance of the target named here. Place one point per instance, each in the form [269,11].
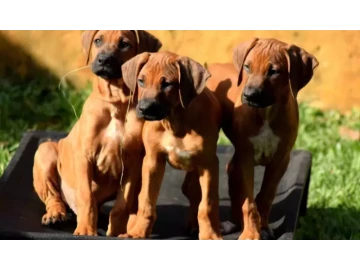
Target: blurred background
[33,62]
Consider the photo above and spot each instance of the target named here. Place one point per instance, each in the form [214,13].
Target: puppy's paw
[54,215]
[249,235]
[131,223]
[114,231]
[85,230]
[110,233]
[118,220]
[210,235]
[133,235]
[124,235]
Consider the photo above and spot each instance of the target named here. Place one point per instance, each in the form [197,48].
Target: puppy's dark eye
[124,45]
[273,72]
[167,85]
[141,82]
[98,42]
[247,68]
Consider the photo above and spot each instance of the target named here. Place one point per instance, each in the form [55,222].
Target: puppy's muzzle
[107,66]
[257,97]
[152,110]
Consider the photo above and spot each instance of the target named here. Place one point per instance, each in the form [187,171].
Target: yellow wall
[335,85]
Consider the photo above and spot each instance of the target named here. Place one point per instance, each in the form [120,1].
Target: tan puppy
[182,127]
[85,169]
[260,117]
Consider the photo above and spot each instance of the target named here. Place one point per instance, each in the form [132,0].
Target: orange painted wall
[336,83]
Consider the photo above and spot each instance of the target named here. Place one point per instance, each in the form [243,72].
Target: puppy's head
[163,81]
[270,69]
[107,50]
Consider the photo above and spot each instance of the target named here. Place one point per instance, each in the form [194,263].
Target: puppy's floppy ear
[301,66]
[239,54]
[147,42]
[131,69]
[87,38]
[193,77]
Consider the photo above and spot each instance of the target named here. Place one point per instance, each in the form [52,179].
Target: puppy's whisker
[72,71]
[62,79]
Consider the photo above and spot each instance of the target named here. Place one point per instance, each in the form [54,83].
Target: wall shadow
[19,66]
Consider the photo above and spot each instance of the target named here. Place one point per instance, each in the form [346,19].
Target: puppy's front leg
[119,214]
[192,191]
[273,173]
[86,206]
[126,201]
[241,190]
[208,213]
[152,175]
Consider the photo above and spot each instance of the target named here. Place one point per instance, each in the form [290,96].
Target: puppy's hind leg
[46,182]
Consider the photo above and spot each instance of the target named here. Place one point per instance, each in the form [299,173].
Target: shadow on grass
[329,224]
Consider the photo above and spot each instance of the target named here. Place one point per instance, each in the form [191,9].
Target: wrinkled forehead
[160,66]
[265,54]
[113,36]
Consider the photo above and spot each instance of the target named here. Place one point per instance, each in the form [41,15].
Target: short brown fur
[186,138]
[274,127]
[83,170]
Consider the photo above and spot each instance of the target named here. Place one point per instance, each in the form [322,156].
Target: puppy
[260,117]
[101,153]
[181,128]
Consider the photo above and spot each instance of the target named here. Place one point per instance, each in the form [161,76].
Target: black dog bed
[21,210]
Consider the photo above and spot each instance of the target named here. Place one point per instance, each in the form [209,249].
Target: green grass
[334,196]
[38,105]
[334,193]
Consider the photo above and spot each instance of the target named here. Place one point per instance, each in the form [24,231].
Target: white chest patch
[265,143]
[113,131]
[181,154]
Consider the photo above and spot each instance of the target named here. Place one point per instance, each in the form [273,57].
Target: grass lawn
[334,196]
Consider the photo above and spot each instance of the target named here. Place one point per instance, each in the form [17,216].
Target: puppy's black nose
[252,93]
[105,59]
[102,60]
[148,106]
[151,109]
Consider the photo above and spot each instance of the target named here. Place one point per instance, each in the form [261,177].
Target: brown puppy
[104,147]
[260,117]
[182,127]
